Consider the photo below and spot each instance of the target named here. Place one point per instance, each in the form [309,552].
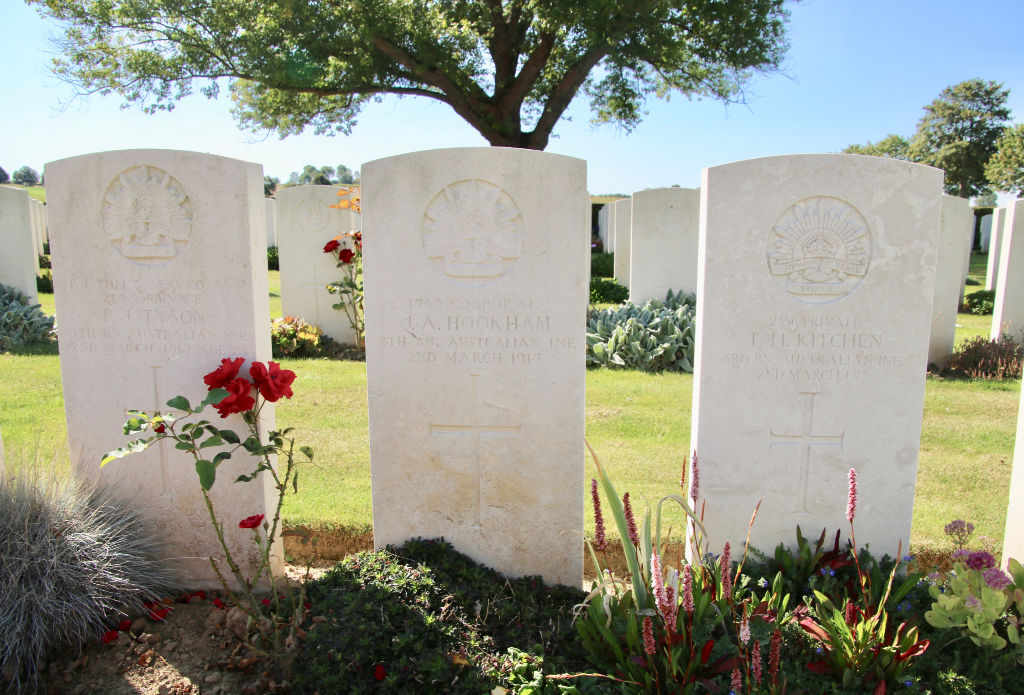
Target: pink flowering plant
[210,446]
[347,250]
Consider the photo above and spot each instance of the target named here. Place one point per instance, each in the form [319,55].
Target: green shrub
[981,302]
[294,337]
[44,282]
[72,561]
[44,261]
[970,282]
[980,358]
[607,290]
[657,336]
[21,323]
[273,258]
[602,265]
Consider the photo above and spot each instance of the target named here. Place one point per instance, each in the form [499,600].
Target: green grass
[37,192]
[275,294]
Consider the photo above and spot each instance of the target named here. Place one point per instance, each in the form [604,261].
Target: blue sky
[856,71]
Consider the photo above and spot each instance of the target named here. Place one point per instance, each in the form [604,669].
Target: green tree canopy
[509,68]
[893,146]
[26,176]
[4,178]
[958,133]
[1005,170]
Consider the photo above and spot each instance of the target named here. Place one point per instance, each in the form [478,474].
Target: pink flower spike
[600,542]
[658,583]
[694,479]
[745,630]
[755,662]
[648,636]
[671,609]
[627,509]
[726,567]
[737,680]
[851,501]
[687,590]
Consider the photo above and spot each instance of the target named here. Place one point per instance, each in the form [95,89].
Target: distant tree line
[25,176]
[313,176]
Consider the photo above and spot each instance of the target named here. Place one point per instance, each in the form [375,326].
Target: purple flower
[961,554]
[851,499]
[959,530]
[600,542]
[972,602]
[980,560]
[627,509]
[996,578]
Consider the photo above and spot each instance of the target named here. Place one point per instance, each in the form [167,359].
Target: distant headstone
[1013,537]
[954,253]
[985,227]
[158,274]
[663,248]
[1008,312]
[602,225]
[813,315]
[18,260]
[995,240]
[271,222]
[306,222]
[623,211]
[37,216]
[476,277]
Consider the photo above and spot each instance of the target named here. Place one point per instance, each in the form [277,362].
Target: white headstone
[623,212]
[271,222]
[306,222]
[602,225]
[954,249]
[159,274]
[1013,537]
[663,247]
[995,240]
[1008,312]
[37,216]
[476,277]
[813,310]
[985,227]
[18,260]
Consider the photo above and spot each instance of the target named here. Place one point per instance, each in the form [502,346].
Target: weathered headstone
[271,222]
[813,310]
[476,277]
[159,274]
[18,260]
[954,253]
[1008,312]
[623,212]
[306,222]
[995,240]
[1013,537]
[663,247]
[985,227]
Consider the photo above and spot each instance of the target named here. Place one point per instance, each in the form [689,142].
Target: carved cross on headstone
[477,430]
[805,439]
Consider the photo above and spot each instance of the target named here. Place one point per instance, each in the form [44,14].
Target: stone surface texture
[985,227]
[37,215]
[18,260]
[1008,312]
[475,353]
[1013,537]
[623,211]
[306,222]
[813,308]
[159,269]
[271,215]
[994,240]
[954,255]
[663,247]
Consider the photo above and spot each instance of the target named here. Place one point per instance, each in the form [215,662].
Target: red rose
[346,255]
[217,603]
[265,602]
[379,672]
[251,521]
[272,381]
[159,429]
[239,398]
[109,636]
[331,245]
[222,376]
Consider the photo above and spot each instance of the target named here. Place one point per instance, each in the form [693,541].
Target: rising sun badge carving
[147,215]
[819,249]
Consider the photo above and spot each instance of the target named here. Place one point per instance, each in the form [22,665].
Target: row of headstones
[655,238]
[23,233]
[1005,254]
[815,287]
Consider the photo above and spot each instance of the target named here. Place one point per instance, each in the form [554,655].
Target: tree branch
[562,96]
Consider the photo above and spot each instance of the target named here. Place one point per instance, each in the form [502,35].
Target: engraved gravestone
[954,252]
[306,221]
[663,247]
[159,273]
[1013,537]
[476,275]
[18,260]
[623,211]
[813,310]
[993,241]
[1008,309]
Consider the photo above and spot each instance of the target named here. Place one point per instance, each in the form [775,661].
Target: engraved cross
[475,429]
[805,440]
[160,405]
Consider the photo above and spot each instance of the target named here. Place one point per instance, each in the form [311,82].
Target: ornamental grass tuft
[72,561]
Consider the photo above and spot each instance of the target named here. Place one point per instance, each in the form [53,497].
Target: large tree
[958,133]
[26,176]
[1005,170]
[509,68]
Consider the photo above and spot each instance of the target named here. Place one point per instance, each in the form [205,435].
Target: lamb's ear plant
[73,559]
